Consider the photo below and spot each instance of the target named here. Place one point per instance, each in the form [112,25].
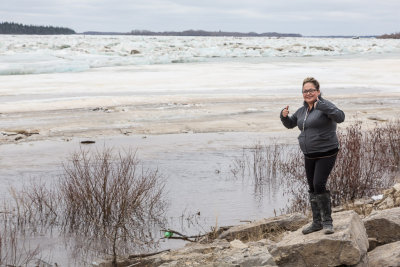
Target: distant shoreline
[243,35]
[20,29]
[196,33]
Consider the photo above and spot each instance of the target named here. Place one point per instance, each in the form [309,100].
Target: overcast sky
[307,17]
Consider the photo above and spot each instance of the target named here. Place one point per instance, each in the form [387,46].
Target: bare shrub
[110,201]
[105,203]
[35,206]
[364,166]
[391,133]
[15,249]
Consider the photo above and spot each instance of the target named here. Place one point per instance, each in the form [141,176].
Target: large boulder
[347,246]
[385,256]
[265,228]
[383,226]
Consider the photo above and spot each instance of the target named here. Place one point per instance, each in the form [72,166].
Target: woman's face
[310,93]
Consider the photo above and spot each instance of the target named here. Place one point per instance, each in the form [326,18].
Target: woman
[317,120]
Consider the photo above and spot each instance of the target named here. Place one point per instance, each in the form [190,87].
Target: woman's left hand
[315,103]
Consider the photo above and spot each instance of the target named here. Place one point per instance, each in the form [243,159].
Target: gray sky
[307,17]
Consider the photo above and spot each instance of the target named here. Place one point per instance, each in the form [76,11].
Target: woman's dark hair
[311,80]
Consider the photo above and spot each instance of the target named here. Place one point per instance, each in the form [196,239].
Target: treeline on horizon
[17,28]
[200,33]
[390,36]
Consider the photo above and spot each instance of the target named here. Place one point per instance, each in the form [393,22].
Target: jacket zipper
[304,122]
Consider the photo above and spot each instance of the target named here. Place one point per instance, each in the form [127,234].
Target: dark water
[201,189]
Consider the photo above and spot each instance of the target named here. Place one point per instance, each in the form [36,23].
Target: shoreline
[181,114]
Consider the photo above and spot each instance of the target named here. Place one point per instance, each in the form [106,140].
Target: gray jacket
[318,126]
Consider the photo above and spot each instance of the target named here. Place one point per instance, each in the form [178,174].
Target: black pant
[317,171]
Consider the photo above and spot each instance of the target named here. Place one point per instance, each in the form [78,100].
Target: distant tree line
[199,33]
[217,33]
[16,28]
[390,36]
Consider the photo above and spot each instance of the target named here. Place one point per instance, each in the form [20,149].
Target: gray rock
[383,226]
[364,262]
[265,228]
[373,243]
[238,244]
[347,246]
[217,254]
[385,256]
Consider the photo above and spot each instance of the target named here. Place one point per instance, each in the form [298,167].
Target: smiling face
[310,93]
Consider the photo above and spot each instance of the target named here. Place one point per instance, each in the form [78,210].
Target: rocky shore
[367,233]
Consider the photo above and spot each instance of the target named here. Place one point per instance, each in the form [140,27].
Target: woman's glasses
[309,91]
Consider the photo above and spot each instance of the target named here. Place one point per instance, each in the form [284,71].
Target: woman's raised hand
[285,111]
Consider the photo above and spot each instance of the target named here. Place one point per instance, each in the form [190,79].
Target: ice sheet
[47,54]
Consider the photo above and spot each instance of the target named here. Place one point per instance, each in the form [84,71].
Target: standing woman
[317,120]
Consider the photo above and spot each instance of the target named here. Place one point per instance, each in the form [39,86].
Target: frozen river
[189,105]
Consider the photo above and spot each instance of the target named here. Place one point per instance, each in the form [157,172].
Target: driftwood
[88,142]
[147,255]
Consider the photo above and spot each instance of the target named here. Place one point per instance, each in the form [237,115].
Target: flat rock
[220,253]
[383,225]
[265,228]
[385,256]
[347,246]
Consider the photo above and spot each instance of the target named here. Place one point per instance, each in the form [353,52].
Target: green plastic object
[167,234]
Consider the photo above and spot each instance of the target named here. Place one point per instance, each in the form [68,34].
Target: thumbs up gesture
[285,111]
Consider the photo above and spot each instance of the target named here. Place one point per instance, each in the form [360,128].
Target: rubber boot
[316,224]
[324,203]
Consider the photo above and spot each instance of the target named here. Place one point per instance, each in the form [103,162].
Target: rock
[219,253]
[390,199]
[265,228]
[18,137]
[101,109]
[384,225]
[373,243]
[134,52]
[397,187]
[364,262]
[238,244]
[385,256]
[347,246]
[204,248]
[361,206]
